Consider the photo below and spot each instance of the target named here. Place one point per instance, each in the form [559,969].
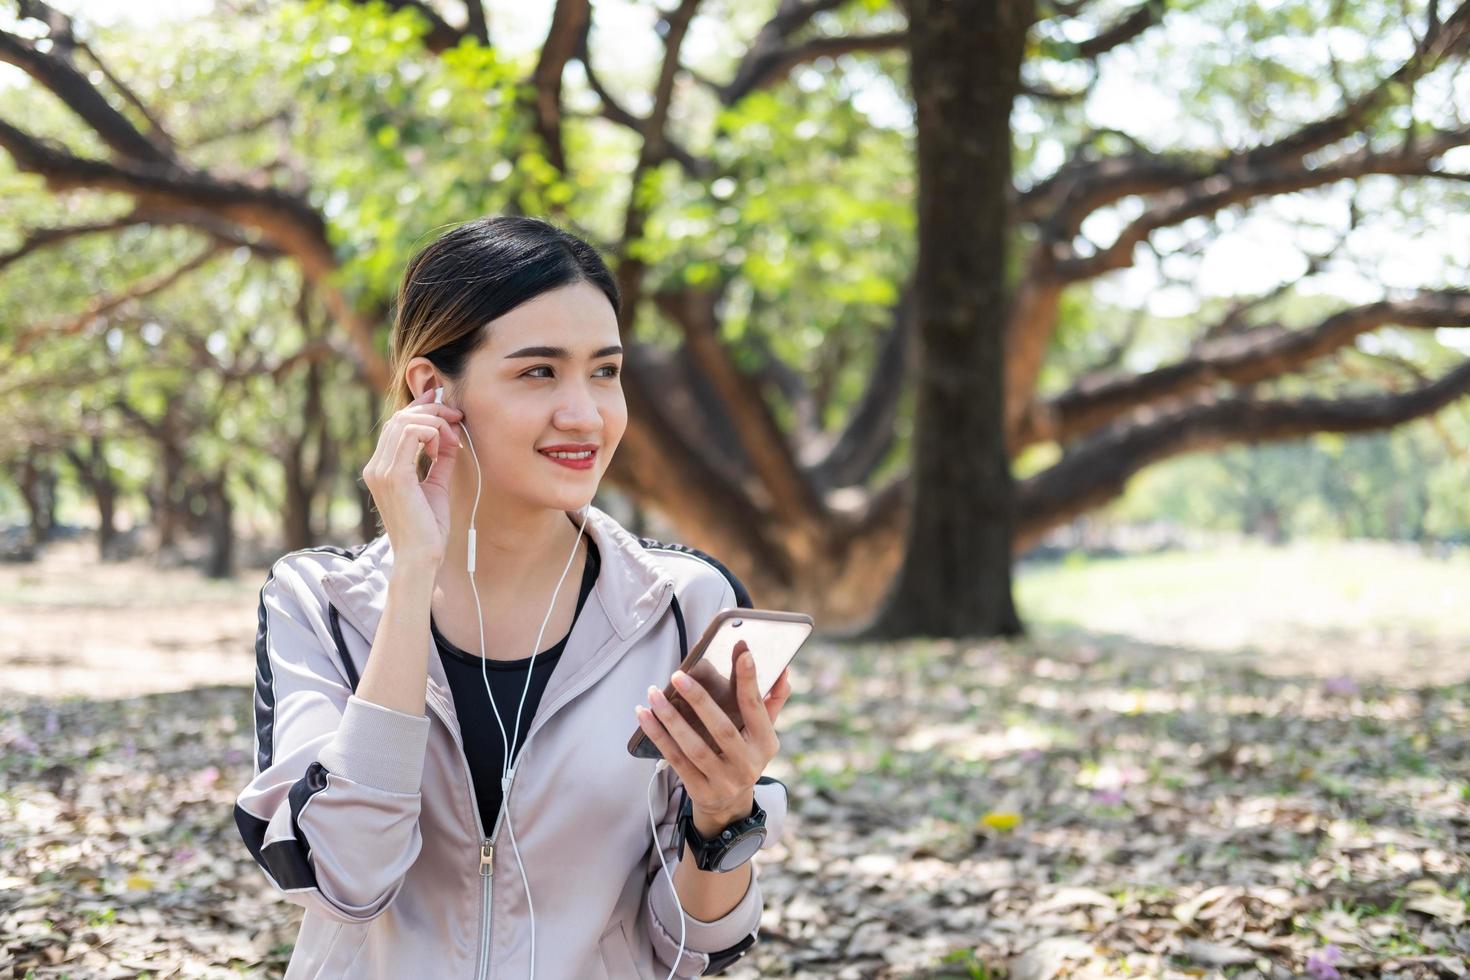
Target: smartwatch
[728,849]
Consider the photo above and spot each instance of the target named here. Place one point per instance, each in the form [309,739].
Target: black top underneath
[483,746]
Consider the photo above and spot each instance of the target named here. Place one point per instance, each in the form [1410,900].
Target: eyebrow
[562,353]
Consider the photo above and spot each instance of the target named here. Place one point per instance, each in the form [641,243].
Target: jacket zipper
[485,854]
[487,857]
[488,850]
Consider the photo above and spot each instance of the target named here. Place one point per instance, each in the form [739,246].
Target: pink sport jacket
[365,816]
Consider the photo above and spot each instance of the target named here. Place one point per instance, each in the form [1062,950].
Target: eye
[547,367]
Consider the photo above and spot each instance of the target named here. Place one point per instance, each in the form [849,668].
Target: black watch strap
[707,853]
[720,960]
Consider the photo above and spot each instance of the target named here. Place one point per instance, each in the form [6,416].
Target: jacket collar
[630,589]
[629,581]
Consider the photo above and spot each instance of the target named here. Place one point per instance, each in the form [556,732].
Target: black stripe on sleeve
[679,622]
[348,667]
[265,688]
[287,861]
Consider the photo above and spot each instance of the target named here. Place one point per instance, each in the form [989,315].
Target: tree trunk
[170,497]
[325,459]
[955,577]
[310,461]
[105,491]
[296,517]
[367,520]
[38,487]
[219,519]
[93,471]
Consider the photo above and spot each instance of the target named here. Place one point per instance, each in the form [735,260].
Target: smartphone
[774,636]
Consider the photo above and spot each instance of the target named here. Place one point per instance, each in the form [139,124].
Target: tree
[964,62]
[764,233]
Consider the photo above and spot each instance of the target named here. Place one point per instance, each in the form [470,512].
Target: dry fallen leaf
[884,864]
[1216,954]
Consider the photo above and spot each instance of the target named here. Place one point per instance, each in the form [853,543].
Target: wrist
[414,567]
[709,822]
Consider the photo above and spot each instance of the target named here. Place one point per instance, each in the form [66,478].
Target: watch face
[741,851]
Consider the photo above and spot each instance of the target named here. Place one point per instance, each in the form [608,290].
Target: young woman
[442,794]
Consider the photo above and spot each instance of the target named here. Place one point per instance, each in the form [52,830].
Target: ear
[421,376]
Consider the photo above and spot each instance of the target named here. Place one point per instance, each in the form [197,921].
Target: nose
[580,411]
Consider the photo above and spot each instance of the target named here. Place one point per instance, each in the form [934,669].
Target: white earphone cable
[662,765]
[507,776]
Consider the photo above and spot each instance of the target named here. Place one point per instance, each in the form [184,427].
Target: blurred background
[1094,373]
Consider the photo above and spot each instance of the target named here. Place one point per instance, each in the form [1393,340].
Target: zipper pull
[487,858]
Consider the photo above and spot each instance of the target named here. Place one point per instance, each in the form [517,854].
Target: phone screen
[772,634]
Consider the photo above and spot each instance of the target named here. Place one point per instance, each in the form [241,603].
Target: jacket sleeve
[709,947]
[331,814]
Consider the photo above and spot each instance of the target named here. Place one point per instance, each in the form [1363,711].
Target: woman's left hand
[721,784]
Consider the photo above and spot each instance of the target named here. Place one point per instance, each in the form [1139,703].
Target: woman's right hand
[415,515]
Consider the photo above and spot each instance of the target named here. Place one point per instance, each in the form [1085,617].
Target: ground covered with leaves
[1079,804]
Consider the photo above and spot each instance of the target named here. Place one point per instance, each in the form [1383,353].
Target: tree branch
[441,36]
[760,70]
[106,304]
[870,430]
[475,21]
[699,168]
[41,238]
[226,233]
[1099,469]
[1218,192]
[156,131]
[286,220]
[1130,26]
[631,269]
[1239,359]
[56,72]
[790,16]
[793,496]
[283,115]
[1081,187]
[569,22]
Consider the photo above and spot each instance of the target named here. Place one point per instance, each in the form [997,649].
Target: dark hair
[467,277]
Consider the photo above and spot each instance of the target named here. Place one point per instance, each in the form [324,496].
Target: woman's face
[520,396]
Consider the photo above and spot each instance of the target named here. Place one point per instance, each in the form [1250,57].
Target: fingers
[435,435]
[420,413]
[780,691]
[445,441]
[423,406]
[741,757]
[690,743]
[397,449]
[715,719]
[759,731]
[669,748]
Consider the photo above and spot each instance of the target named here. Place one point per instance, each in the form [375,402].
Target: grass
[1315,608]
[1338,585]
